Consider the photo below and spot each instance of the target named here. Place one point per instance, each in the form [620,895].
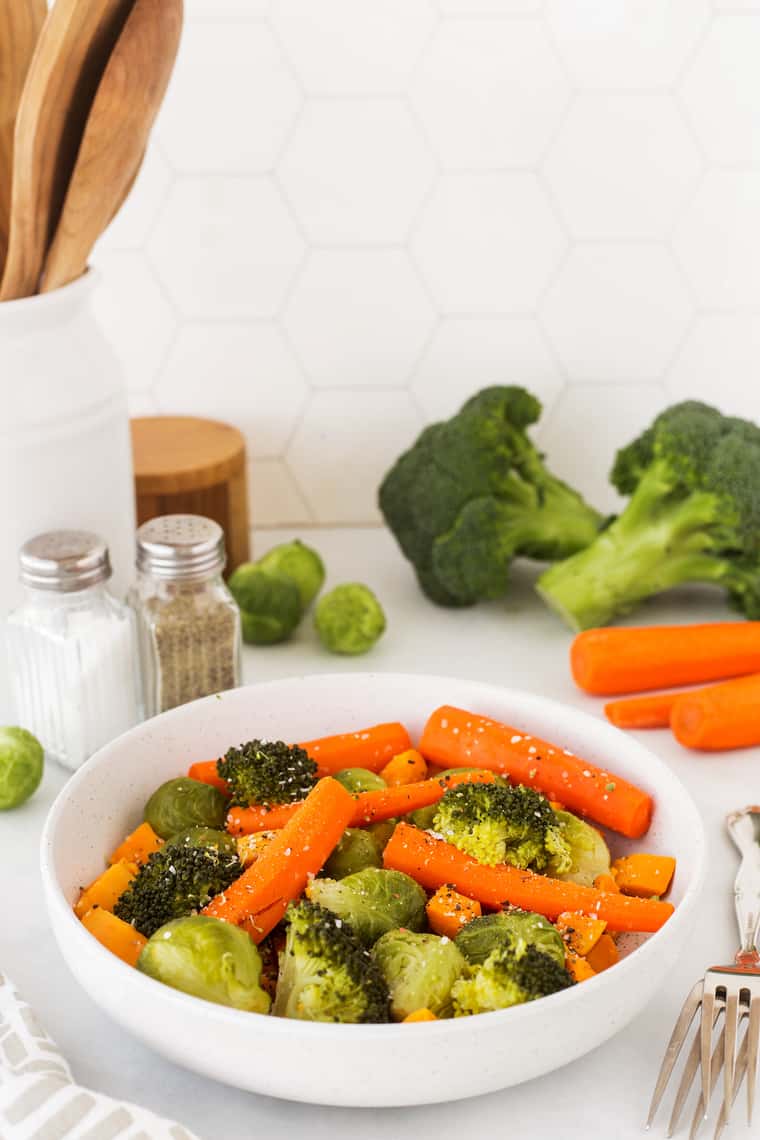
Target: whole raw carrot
[206,772]
[370,748]
[369,807]
[455,737]
[433,862]
[719,716]
[608,661]
[649,711]
[261,895]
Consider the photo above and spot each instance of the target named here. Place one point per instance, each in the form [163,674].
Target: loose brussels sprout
[483,935]
[356,850]
[21,764]
[419,970]
[182,803]
[356,780]
[270,604]
[220,841]
[209,959]
[589,854]
[299,562]
[372,901]
[349,619]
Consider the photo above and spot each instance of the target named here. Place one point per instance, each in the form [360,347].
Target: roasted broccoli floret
[473,492]
[501,824]
[693,516]
[511,974]
[267,772]
[325,974]
[480,937]
[176,881]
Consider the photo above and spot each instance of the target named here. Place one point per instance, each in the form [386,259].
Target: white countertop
[518,643]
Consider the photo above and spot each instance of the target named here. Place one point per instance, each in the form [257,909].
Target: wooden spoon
[75,43]
[20,23]
[116,134]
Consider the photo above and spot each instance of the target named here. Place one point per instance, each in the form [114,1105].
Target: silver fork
[730,993]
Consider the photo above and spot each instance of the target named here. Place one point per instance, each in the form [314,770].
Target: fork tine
[687,1077]
[705,1039]
[741,1068]
[717,1063]
[731,1026]
[677,1038]
[752,1038]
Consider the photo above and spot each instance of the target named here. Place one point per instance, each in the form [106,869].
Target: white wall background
[357,212]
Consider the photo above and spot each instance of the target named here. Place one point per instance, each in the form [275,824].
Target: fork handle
[744,827]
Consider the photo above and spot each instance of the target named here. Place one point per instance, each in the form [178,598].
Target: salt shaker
[72,648]
[188,622]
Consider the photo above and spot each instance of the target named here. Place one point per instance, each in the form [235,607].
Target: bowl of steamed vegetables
[376,889]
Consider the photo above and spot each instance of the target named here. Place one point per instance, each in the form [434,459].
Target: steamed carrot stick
[433,862]
[456,737]
[608,661]
[281,872]
[370,748]
[206,772]
[719,716]
[642,712]
[369,807]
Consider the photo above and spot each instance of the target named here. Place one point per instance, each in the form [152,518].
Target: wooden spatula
[75,44]
[115,135]
[20,23]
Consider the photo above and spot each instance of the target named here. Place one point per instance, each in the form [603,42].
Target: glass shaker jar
[71,647]
[188,622]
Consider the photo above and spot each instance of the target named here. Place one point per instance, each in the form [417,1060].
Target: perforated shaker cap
[64,561]
[180,547]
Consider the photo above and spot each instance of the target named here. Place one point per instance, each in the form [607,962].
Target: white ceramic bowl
[367,1065]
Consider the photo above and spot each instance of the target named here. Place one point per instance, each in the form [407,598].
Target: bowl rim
[60,910]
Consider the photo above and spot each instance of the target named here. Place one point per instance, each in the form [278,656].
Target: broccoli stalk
[693,516]
[473,492]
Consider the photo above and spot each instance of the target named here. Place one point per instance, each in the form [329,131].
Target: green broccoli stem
[659,541]
[563,523]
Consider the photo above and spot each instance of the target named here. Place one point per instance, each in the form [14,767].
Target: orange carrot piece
[615,660]
[107,888]
[115,934]
[606,883]
[406,768]
[580,932]
[420,1015]
[280,874]
[370,748]
[641,712]
[603,955]
[206,772]
[136,848]
[245,821]
[644,875]
[449,910]
[719,717]
[433,862]
[578,967]
[458,738]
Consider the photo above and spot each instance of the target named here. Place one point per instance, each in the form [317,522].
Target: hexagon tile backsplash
[355,213]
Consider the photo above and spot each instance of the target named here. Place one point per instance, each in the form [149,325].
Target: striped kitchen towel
[39,1099]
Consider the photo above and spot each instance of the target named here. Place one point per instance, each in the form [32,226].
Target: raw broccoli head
[501,824]
[473,492]
[511,974]
[176,881]
[267,772]
[693,516]
[325,975]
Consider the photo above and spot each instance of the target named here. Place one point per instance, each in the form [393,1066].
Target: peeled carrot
[115,934]
[206,772]
[136,848]
[603,955]
[433,862]
[644,875]
[448,911]
[405,768]
[580,931]
[719,717]
[261,895]
[607,884]
[368,748]
[369,807]
[641,712]
[457,738]
[631,660]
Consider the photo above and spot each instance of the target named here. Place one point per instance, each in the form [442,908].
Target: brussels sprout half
[589,854]
[372,901]
[182,803]
[479,938]
[419,970]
